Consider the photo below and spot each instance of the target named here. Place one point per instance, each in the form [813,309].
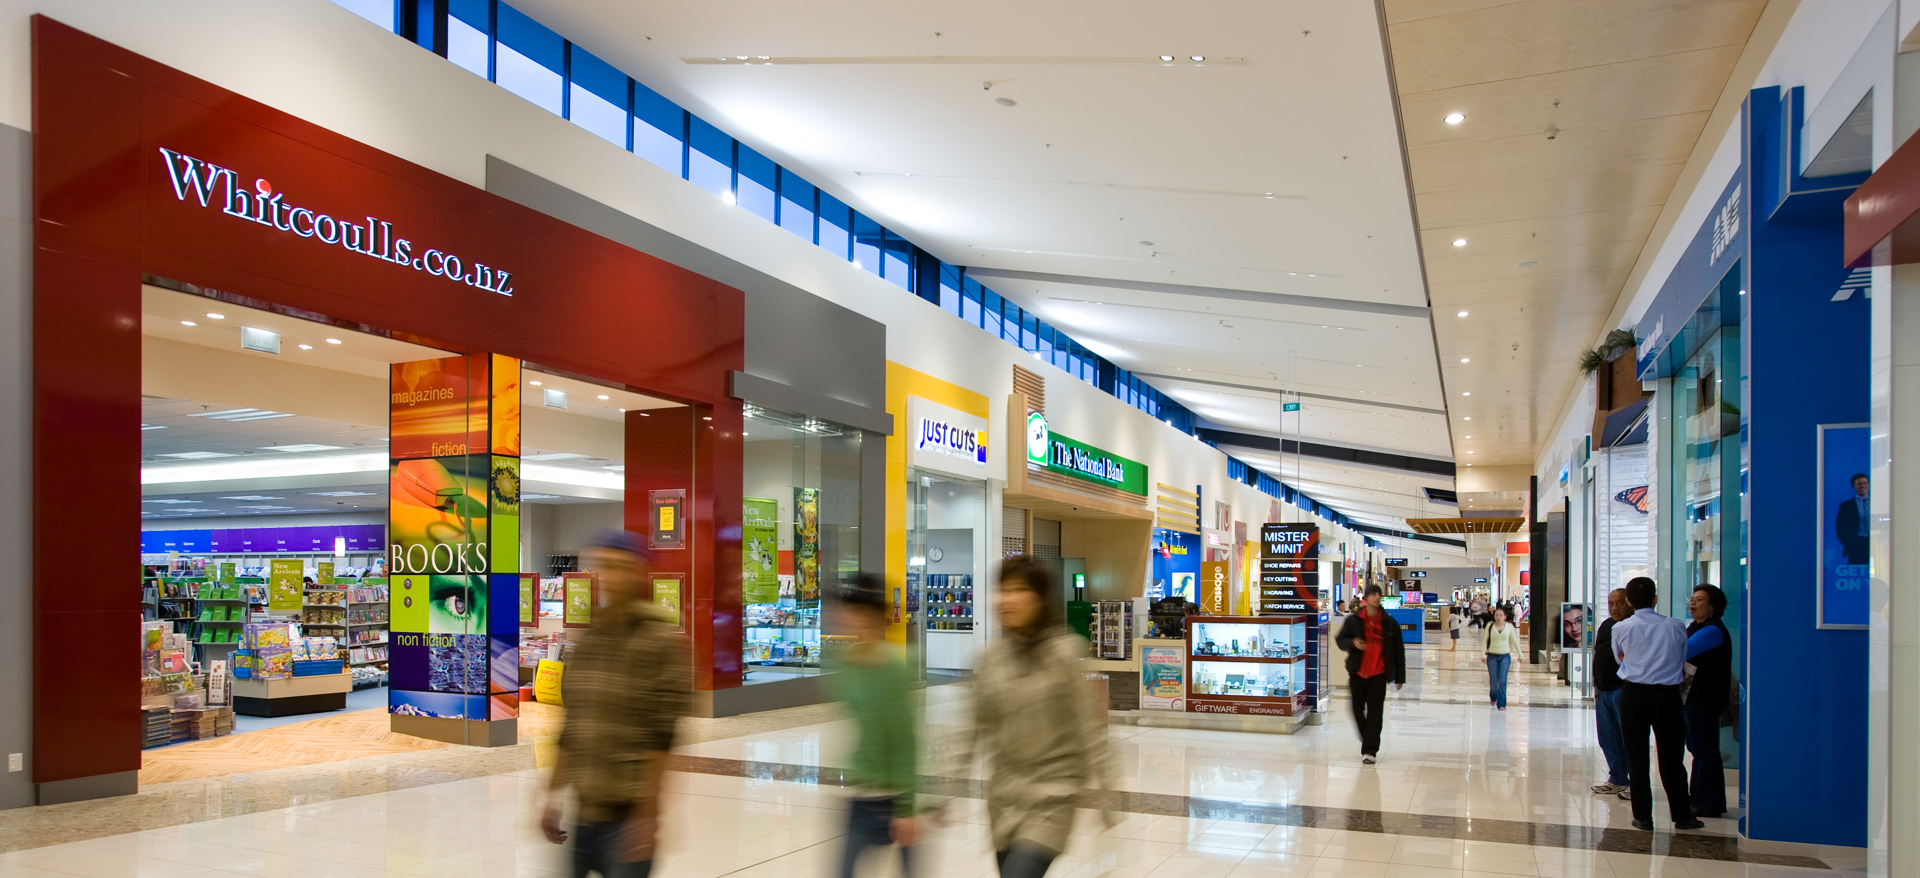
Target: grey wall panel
[16,464]
[793,337]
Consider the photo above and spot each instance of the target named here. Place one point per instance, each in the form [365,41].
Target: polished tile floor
[1461,790]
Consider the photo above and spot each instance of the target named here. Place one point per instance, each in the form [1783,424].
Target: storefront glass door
[946,558]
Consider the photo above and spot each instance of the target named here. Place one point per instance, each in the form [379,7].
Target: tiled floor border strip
[1555,835]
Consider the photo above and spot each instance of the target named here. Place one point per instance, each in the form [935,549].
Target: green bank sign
[1053,451]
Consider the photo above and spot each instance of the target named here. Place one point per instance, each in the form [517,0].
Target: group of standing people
[1652,674]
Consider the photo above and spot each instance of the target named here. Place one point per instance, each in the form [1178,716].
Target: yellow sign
[1213,587]
[666,517]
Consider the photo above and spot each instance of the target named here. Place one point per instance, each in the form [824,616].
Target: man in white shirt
[1652,650]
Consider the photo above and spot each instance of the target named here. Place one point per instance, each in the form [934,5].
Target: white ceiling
[1245,220]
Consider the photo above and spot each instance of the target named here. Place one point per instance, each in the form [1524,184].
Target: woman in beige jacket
[1035,718]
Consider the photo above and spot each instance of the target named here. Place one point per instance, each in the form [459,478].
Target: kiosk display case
[1247,665]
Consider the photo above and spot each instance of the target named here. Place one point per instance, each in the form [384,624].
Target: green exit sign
[1289,406]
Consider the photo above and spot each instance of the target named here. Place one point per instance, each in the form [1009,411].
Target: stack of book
[159,727]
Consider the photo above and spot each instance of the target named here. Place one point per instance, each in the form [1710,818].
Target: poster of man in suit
[1846,525]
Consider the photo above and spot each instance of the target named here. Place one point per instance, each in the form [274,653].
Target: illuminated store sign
[213,186]
[946,439]
[1050,450]
[951,440]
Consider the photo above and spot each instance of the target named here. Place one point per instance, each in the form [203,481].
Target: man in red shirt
[1376,655]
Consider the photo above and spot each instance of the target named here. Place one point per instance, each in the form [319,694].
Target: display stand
[291,695]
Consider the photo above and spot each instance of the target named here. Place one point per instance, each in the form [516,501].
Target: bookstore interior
[265,481]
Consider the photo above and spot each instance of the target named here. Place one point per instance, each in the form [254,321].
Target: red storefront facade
[108,216]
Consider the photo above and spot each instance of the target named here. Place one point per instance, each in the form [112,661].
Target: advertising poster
[806,544]
[407,599]
[285,581]
[438,408]
[437,514]
[323,573]
[504,409]
[578,588]
[1163,683]
[760,551]
[666,595]
[1846,489]
[1176,565]
[1575,621]
[1213,587]
[503,517]
[669,527]
[454,483]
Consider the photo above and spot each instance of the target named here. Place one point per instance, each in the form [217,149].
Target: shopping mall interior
[1261,440]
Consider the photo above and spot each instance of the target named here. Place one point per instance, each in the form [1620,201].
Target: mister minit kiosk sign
[1289,569]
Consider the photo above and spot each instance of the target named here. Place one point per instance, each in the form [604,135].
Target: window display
[800,536]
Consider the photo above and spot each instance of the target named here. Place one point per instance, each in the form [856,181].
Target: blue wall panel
[1806,689]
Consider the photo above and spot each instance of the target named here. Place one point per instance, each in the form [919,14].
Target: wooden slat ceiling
[1465,525]
[1580,117]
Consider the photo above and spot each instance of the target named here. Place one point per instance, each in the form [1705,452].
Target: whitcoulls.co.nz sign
[211,185]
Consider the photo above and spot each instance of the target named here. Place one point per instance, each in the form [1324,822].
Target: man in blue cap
[626,686]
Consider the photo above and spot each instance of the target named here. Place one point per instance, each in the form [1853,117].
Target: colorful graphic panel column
[454,529]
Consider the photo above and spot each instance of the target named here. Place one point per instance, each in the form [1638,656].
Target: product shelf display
[282,673]
[1113,630]
[949,602]
[1247,665]
[782,634]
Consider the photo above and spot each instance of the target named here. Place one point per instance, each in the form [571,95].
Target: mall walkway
[1461,791]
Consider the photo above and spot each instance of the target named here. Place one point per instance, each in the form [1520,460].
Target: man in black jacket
[1606,696]
[1376,655]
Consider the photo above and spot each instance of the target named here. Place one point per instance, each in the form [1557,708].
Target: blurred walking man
[1376,656]
[877,685]
[625,688]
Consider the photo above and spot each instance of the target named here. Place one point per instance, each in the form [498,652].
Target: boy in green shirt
[877,684]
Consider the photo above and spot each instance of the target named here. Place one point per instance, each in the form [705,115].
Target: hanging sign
[1289,568]
[284,585]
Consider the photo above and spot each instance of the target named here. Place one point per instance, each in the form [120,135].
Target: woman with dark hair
[1035,718]
[1710,652]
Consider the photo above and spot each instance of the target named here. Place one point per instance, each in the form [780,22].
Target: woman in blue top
[1710,651]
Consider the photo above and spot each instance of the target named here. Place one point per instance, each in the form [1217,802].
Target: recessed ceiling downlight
[1199,57]
[1006,102]
[1166,57]
[1456,118]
